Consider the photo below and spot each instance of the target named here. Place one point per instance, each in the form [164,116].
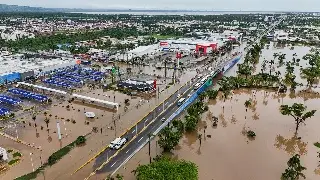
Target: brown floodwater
[226,153]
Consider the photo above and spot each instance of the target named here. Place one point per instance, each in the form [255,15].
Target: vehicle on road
[179,95]
[189,95]
[118,143]
[196,86]
[163,119]
[180,102]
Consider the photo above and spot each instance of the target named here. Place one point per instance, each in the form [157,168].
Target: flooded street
[226,153]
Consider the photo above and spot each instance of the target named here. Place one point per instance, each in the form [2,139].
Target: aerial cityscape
[125,91]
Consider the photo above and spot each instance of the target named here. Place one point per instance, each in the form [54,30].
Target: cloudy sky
[244,5]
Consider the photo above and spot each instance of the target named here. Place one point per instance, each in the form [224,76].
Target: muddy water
[228,154]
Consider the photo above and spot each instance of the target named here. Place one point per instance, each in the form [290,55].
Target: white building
[281,36]
[4,154]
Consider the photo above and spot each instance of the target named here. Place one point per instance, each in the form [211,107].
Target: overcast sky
[244,5]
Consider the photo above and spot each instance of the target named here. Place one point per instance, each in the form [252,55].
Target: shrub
[317,144]
[80,140]
[13,161]
[251,134]
[16,154]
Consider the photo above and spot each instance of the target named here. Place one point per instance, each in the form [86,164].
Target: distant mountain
[15,8]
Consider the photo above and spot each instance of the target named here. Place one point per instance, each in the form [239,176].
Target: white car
[163,119]
[179,95]
[117,143]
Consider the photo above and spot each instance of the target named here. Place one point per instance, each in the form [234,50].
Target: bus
[180,102]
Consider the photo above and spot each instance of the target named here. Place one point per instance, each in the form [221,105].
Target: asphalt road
[169,105]
[138,134]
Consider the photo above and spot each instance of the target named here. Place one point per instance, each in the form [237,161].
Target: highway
[110,160]
[153,118]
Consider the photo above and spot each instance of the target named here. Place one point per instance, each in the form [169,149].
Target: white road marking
[113,164]
[133,131]
[140,139]
[127,151]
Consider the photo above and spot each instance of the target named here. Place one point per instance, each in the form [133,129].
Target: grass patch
[317,144]
[10,151]
[32,175]
[13,161]
[16,154]
[60,153]
[54,158]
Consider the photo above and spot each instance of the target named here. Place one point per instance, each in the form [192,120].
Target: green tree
[311,74]
[191,123]
[80,140]
[212,94]
[298,112]
[247,104]
[168,169]
[119,177]
[294,170]
[168,138]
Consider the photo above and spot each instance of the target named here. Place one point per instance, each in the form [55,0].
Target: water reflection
[291,145]
[190,138]
[223,120]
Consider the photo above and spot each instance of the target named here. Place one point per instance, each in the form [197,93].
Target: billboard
[163,43]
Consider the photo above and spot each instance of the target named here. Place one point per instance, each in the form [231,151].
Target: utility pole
[165,70]
[149,147]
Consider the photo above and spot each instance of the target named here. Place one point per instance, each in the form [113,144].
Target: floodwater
[226,153]
[73,123]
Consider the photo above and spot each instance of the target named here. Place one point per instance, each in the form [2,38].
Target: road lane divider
[106,147]
[171,117]
[133,138]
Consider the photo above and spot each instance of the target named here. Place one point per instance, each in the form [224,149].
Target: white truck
[118,143]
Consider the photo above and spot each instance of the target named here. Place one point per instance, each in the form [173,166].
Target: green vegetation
[161,37]
[167,168]
[298,112]
[294,170]
[194,111]
[251,134]
[80,140]
[12,162]
[16,154]
[311,74]
[317,144]
[55,157]
[169,138]
[212,94]
[10,151]
[248,103]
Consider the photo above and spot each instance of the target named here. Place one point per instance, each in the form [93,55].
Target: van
[117,143]
[196,86]
[180,102]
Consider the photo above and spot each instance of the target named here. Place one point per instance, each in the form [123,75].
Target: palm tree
[47,121]
[247,104]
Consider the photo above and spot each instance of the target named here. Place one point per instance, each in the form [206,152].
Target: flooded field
[226,153]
